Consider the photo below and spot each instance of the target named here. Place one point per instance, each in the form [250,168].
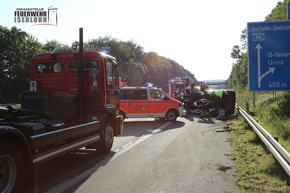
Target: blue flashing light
[106,49]
[149,85]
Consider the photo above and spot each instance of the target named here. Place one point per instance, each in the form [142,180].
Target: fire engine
[178,86]
[73,103]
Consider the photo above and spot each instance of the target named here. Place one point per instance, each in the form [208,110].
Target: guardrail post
[254,100]
[247,106]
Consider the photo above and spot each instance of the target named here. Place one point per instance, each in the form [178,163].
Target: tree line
[17,48]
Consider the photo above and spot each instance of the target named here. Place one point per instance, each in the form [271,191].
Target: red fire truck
[73,102]
[178,86]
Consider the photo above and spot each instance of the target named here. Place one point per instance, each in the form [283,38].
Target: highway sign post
[269,56]
[288,11]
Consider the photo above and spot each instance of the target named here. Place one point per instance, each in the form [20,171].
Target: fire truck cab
[178,87]
[55,86]
[144,102]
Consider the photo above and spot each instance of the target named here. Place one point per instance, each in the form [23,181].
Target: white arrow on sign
[269,71]
[259,47]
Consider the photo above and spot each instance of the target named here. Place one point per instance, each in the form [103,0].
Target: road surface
[189,155]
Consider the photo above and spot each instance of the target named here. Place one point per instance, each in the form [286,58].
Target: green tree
[279,13]
[16,51]
[236,52]
[52,45]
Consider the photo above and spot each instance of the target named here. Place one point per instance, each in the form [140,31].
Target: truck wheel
[107,137]
[11,168]
[171,115]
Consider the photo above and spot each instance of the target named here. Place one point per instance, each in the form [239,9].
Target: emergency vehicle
[149,102]
[178,87]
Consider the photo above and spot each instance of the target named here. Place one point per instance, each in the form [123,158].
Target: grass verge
[257,168]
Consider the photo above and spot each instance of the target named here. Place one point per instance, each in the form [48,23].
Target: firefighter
[203,105]
[182,95]
[176,93]
[187,99]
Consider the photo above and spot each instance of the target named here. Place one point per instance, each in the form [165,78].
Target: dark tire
[12,169]
[171,115]
[107,137]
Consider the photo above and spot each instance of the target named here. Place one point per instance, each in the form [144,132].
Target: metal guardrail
[282,156]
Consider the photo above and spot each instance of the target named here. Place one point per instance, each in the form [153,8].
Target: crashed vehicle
[216,102]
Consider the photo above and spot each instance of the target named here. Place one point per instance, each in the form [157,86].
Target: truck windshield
[48,67]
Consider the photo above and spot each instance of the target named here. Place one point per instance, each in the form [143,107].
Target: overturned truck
[215,102]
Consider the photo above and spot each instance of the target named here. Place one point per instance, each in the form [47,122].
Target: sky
[199,35]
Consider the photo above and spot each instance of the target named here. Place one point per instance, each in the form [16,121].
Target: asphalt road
[189,155]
